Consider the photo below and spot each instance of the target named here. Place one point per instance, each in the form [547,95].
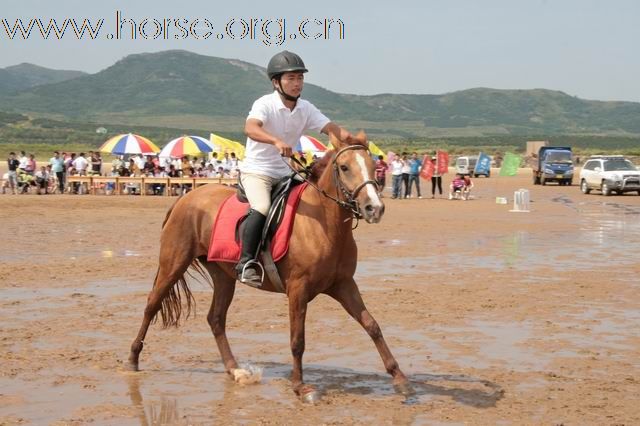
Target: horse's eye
[344,168]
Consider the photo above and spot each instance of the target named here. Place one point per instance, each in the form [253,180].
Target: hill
[183,89]
[20,77]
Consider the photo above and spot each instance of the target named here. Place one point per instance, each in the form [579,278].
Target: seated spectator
[210,172]
[158,188]
[222,173]
[174,173]
[72,188]
[134,170]
[52,183]
[457,184]
[42,180]
[25,181]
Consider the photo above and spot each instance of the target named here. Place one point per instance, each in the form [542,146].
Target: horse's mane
[318,168]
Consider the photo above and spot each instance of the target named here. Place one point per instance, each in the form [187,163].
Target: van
[466,166]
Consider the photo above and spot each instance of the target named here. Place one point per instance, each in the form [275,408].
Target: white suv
[611,173]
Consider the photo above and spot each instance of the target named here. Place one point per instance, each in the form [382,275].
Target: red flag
[427,168]
[442,162]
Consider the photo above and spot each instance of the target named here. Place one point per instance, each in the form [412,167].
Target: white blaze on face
[371,191]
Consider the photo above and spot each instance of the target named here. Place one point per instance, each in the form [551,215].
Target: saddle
[225,235]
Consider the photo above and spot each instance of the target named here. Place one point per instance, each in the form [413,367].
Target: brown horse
[325,263]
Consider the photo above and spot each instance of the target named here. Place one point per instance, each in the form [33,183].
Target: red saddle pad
[223,246]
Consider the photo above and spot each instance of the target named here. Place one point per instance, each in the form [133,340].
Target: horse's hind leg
[224,288]
[168,274]
[348,295]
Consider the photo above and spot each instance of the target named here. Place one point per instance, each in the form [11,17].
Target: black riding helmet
[285,61]
[282,62]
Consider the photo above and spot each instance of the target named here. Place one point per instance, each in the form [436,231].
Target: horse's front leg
[297,314]
[348,294]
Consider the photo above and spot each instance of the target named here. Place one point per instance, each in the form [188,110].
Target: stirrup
[252,281]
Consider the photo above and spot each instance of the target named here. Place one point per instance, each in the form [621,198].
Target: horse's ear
[361,138]
[337,143]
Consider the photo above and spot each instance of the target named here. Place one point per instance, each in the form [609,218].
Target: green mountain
[183,89]
[16,78]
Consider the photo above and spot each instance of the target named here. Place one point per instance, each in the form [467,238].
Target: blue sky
[585,48]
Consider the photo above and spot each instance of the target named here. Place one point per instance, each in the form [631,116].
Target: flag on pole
[223,143]
[510,164]
[442,162]
[426,172]
[373,148]
[483,166]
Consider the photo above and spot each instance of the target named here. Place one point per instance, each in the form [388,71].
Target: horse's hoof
[404,389]
[132,366]
[310,397]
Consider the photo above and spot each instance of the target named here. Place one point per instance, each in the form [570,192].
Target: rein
[351,204]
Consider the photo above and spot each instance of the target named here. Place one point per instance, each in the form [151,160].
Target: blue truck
[553,164]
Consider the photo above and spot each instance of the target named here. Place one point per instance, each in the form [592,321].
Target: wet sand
[496,317]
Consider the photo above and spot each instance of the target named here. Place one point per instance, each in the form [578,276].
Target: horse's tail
[172,309]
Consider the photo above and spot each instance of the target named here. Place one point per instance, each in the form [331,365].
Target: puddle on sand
[601,329]
[490,343]
[601,233]
[36,304]
[181,396]
[110,288]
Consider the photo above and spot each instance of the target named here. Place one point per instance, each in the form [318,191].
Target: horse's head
[354,172]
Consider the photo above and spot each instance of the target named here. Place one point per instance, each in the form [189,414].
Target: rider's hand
[285,150]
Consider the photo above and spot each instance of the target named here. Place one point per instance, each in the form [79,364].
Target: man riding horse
[340,190]
[273,128]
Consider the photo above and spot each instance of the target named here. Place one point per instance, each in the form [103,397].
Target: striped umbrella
[186,145]
[307,143]
[129,144]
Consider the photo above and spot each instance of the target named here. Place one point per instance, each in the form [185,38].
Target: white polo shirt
[280,121]
[80,163]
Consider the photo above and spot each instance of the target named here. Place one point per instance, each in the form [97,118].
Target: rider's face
[292,83]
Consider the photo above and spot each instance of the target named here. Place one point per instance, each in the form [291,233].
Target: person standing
[30,169]
[96,164]
[57,167]
[381,174]
[396,177]
[436,179]
[81,164]
[406,171]
[23,161]
[414,174]
[13,163]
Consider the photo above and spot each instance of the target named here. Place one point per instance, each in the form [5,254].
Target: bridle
[349,202]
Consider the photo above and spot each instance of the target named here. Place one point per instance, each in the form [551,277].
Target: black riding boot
[251,234]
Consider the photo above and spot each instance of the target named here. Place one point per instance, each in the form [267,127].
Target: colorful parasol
[307,143]
[129,144]
[186,145]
